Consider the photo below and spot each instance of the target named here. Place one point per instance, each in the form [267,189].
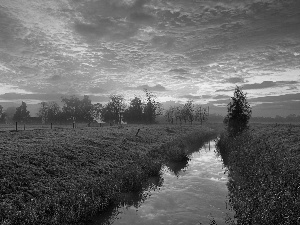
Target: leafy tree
[76,109]
[170,114]
[134,113]
[9,114]
[21,114]
[2,115]
[179,113]
[188,111]
[239,113]
[201,113]
[112,111]
[152,108]
[49,112]
[43,112]
[86,109]
[96,111]
[54,112]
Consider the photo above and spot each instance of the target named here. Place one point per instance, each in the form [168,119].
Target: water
[191,192]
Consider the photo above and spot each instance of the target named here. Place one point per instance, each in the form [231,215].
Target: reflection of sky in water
[198,192]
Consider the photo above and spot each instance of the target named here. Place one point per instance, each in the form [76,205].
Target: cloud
[41,97]
[106,27]
[180,78]
[96,90]
[221,97]
[267,84]
[157,87]
[280,98]
[264,84]
[179,71]
[163,41]
[195,97]
[267,99]
[235,80]
[55,78]
[140,17]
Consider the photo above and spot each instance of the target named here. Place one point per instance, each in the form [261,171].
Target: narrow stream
[192,192]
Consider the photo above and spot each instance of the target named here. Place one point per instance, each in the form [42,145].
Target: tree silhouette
[112,111]
[2,115]
[152,108]
[188,111]
[134,113]
[76,109]
[21,114]
[239,113]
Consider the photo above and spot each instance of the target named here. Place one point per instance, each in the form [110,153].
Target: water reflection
[128,200]
[188,192]
[178,166]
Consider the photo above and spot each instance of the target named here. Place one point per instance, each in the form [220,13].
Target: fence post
[16,126]
[137,132]
[73,125]
[24,126]
[51,126]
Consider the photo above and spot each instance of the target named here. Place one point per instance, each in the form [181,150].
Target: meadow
[264,173]
[65,175]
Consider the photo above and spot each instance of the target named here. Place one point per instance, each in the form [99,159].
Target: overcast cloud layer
[179,49]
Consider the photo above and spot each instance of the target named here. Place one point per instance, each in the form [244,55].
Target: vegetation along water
[263,167]
[64,176]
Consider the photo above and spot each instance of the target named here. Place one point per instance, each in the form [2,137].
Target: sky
[179,49]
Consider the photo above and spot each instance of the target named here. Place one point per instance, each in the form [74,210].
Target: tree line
[188,112]
[83,111]
[116,110]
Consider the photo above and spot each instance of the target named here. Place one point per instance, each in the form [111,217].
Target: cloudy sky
[179,49]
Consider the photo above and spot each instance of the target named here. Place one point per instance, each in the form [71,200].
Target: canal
[189,192]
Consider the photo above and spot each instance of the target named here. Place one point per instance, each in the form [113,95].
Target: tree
[21,114]
[86,107]
[96,111]
[2,115]
[43,112]
[49,112]
[76,109]
[201,113]
[112,111]
[134,113]
[188,111]
[54,112]
[239,113]
[170,114]
[152,108]
[9,114]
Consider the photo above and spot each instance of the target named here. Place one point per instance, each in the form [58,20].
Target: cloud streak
[158,88]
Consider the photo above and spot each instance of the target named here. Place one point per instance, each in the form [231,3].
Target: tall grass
[264,175]
[180,148]
[66,176]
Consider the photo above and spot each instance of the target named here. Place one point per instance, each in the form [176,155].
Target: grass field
[264,174]
[65,175]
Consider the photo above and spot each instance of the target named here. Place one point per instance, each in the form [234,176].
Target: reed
[263,169]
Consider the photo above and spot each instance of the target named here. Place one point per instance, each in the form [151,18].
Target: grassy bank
[264,174]
[64,176]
